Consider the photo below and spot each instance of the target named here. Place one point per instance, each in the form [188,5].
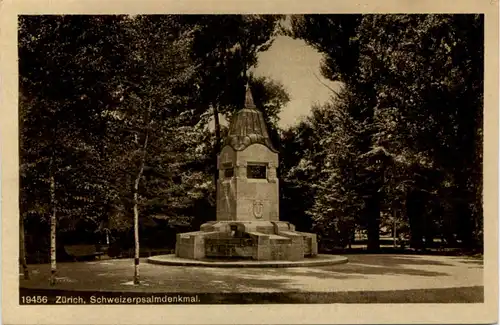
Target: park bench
[83,251]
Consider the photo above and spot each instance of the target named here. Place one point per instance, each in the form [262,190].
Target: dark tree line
[114,113]
[403,137]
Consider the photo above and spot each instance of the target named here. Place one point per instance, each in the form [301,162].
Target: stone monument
[247,225]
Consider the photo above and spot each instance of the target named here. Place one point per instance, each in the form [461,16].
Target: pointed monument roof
[248,127]
[249,98]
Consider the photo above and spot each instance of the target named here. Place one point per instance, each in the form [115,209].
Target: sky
[296,65]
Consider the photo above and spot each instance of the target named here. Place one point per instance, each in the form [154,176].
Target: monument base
[254,240]
[318,260]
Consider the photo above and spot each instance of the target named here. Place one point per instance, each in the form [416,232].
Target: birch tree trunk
[53,220]
[22,250]
[136,211]
[217,128]
[394,225]
[217,140]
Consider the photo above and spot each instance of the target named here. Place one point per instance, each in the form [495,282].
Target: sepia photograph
[250,159]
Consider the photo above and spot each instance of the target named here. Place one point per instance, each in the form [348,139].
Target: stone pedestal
[257,240]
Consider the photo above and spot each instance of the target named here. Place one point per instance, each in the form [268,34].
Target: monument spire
[249,103]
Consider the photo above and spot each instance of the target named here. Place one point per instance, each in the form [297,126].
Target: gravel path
[361,273]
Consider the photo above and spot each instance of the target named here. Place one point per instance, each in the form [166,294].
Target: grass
[447,295]
[361,249]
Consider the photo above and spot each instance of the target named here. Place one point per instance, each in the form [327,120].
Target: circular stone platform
[319,260]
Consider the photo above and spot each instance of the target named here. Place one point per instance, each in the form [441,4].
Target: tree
[441,109]
[414,135]
[336,36]
[225,47]
[62,97]
[22,250]
[155,88]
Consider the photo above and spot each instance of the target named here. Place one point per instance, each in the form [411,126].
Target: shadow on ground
[387,264]
[431,251]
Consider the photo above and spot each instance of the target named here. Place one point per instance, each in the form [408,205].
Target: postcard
[249,162]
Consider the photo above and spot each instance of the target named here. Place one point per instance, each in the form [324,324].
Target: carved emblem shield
[258,208]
